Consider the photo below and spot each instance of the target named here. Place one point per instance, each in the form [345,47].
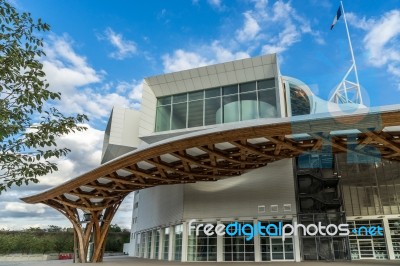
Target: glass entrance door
[366,249]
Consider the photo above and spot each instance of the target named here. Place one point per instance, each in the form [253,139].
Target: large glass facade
[237,102]
[370,187]
[202,247]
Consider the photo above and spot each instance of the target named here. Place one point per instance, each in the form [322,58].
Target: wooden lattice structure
[212,154]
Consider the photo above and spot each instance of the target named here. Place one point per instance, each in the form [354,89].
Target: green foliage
[41,241]
[29,125]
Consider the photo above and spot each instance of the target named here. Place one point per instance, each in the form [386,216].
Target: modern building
[308,188]
[239,143]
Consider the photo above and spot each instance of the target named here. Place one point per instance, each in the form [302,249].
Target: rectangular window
[179,98]
[163,118]
[211,93]
[196,95]
[267,103]
[237,248]
[248,106]
[179,112]
[212,111]
[195,113]
[164,100]
[178,242]
[166,244]
[228,90]
[246,87]
[231,108]
[202,247]
[265,84]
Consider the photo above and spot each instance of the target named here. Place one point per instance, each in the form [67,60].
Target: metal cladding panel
[240,196]
[159,206]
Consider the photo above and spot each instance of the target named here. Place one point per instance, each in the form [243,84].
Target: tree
[29,122]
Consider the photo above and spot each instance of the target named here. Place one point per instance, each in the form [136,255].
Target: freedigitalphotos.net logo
[249,230]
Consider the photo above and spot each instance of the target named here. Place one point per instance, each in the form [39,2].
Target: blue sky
[98,53]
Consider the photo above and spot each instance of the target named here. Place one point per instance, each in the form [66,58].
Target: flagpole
[351,51]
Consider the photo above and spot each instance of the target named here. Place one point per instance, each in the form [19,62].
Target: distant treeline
[53,240]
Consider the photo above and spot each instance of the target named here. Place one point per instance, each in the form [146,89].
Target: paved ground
[124,260]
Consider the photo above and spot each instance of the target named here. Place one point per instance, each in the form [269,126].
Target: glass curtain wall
[237,102]
[370,186]
[202,247]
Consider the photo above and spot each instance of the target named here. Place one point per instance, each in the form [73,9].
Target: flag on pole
[336,18]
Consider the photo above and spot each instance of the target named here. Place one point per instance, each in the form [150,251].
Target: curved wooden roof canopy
[213,154]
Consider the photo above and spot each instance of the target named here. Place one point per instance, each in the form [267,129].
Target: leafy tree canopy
[29,122]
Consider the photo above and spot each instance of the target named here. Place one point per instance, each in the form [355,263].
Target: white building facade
[308,189]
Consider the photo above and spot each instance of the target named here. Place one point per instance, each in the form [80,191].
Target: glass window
[265,84]
[202,247]
[164,100]
[212,111]
[179,98]
[178,242]
[163,118]
[248,106]
[249,86]
[209,93]
[195,113]
[148,246]
[166,244]
[197,95]
[267,103]
[179,112]
[257,99]
[231,108]
[299,101]
[156,243]
[228,90]
[237,248]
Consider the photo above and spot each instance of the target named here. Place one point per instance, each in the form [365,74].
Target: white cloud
[205,55]
[80,84]
[181,60]
[215,3]
[382,40]
[64,69]
[290,24]
[125,48]
[24,208]
[269,29]
[250,28]
[360,23]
